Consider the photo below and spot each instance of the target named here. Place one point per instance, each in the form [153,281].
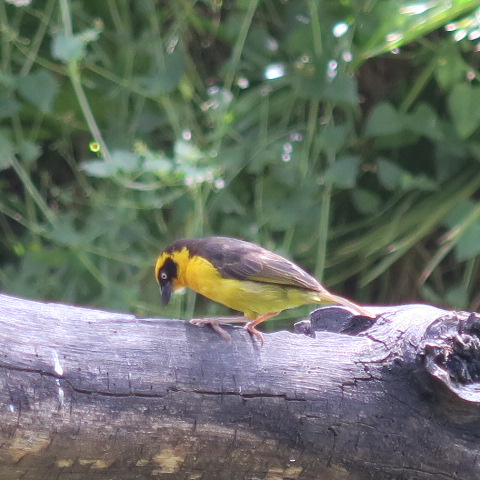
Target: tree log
[88,394]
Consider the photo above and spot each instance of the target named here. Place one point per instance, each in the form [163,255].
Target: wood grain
[88,394]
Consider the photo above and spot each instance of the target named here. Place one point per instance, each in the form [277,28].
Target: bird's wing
[246,261]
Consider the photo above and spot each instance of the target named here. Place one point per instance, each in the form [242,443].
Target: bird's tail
[326,296]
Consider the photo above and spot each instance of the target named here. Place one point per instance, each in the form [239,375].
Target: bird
[242,276]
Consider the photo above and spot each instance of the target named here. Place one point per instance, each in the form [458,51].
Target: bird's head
[170,269]
[166,273]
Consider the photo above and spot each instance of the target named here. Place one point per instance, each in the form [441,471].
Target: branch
[94,394]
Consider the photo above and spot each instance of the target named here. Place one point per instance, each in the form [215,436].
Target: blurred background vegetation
[343,134]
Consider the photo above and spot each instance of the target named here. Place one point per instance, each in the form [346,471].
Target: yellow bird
[242,276]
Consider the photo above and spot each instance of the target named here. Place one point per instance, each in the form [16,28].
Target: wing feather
[246,261]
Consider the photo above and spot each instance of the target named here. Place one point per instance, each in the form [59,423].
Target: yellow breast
[251,298]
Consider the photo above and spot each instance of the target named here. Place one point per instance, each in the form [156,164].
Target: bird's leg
[250,326]
[215,323]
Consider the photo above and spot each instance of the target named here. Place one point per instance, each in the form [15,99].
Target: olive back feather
[242,260]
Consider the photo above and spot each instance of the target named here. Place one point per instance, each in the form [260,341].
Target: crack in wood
[85,391]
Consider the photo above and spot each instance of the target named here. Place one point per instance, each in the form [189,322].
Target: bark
[88,394]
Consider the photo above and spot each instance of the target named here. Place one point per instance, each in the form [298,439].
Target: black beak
[166,290]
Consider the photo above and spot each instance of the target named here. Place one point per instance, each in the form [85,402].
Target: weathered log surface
[87,394]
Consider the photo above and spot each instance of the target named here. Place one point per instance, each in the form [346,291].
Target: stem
[418,86]
[237,50]
[37,39]
[32,191]
[74,75]
[316,30]
[310,135]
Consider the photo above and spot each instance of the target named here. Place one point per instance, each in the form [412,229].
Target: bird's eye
[163,276]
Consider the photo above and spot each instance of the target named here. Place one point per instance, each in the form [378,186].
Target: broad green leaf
[393,177]
[65,233]
[450,66]
[464,106]
[98,168]
[389,174]
[383,120]
[6,148]
[7,79]
[40,88]
[419,182]
[165,73]
[451,154]
[334,137]
[457,297]
[187,151]
[468,245]
[474,148]
[8,107]
[424,121]
[157,165]
[68,48]
[341,90]
[123,161]
[366,201]
[459,213]
[29,151]
[343,173]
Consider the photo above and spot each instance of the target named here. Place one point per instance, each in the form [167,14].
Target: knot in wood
[451,350]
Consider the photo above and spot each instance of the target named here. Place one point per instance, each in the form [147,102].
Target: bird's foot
[253,331]
[215,323]
[250,325]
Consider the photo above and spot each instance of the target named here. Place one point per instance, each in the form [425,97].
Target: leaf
[457,297]
[383,120]
[157,165]
[98,168]
[343,89]
[451,154]
[334,137]
[390,174]
[68,48]
[187,152]
[467,246]
[40,88]
[464,106]
[474,148]
[8,107]
[365,201]
[419,182]
[394,177]
[165,74]
[123,161]
[450,67]
[29,151]
[6,148]
[424,121]
[343,173]
[7,79]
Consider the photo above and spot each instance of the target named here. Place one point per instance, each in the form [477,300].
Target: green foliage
[343,134]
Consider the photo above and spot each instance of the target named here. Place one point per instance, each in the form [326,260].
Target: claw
[214,323]
[253,331]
